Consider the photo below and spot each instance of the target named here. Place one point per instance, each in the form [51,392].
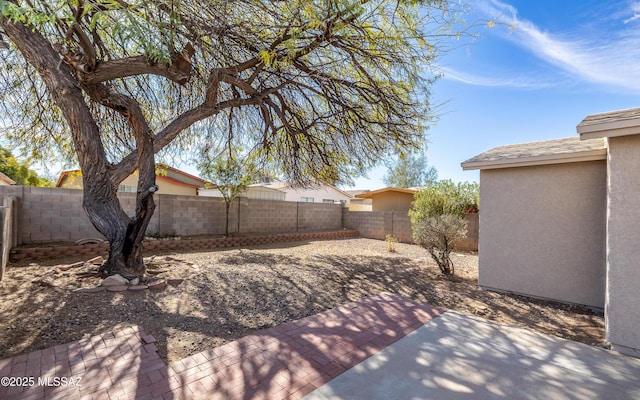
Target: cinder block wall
[378,224]
[48,215]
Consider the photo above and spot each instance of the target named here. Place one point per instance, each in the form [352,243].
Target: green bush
[437,218]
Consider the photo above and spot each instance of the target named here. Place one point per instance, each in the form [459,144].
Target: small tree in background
[437,218]
[231,176]
[410,170]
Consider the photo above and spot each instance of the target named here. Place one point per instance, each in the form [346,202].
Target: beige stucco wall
[318,193]
[542,231]
[71,181]
[74,181]
[623,245]
[392,201]
[164,187]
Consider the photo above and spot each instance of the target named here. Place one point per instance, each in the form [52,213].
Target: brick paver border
[284,362]
[51,251]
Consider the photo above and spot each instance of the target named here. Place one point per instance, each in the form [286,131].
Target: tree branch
[131,66]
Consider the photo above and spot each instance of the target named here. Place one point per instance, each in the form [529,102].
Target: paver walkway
[284,362]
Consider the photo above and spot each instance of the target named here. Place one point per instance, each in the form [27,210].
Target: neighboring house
[560,220]
[390,199]
[318,193]
[256,191]
[5,180]
[168,179]
[357,203]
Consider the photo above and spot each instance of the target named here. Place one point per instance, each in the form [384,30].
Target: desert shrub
[437,218]
[391,243]
[438,235]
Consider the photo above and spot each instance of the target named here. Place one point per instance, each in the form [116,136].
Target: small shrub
[438,235]
[391,243]
[437,218]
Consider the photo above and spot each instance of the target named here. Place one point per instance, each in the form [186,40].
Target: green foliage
[411,170]
[444,197]
[230,176]
[20,172]
[391,243]
[325,89]
[437,218]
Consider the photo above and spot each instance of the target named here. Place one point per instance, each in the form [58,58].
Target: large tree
[323,88]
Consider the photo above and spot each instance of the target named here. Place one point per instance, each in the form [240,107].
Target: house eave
[593,155]
[610,124]
[603,131]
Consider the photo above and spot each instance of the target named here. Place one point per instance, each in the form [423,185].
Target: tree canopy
[410,170]
[20,171]
[324,89]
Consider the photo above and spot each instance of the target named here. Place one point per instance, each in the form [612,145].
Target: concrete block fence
[54,218]
[50,215]
[378,224]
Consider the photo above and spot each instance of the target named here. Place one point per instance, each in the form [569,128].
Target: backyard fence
[46,215]
[8,231]
[379,224]
[55,216]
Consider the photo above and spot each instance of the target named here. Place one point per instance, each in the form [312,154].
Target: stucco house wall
[319,193]
[621,129]
[564,208]
[256,192]
[392,201]
[389,199]
[168,179]
[623,264]
[543,230]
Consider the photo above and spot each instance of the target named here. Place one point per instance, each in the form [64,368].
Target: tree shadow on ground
[244,291]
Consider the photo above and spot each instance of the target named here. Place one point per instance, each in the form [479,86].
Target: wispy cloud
[635,8]
[601,56]
[487,81]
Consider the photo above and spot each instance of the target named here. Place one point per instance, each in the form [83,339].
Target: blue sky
[562,61]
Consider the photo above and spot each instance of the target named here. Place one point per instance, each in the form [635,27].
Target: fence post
[8,238]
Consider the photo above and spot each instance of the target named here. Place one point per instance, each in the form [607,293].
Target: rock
[90,289]
[134,281]
[117,288]
[96,260]
[115,280]
[138,287]
[159,284]
[175,282]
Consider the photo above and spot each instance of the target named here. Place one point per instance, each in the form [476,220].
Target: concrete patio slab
[457,356]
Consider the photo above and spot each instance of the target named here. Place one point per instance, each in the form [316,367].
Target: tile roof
[539,153]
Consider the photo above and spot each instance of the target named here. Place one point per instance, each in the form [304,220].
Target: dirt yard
[227,294]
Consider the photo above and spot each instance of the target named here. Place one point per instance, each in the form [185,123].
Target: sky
[544,67]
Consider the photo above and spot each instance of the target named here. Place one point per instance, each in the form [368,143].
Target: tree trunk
[100,177]
[226,227]
[125,234]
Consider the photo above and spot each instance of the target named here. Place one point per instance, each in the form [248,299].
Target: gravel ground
[227,294]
